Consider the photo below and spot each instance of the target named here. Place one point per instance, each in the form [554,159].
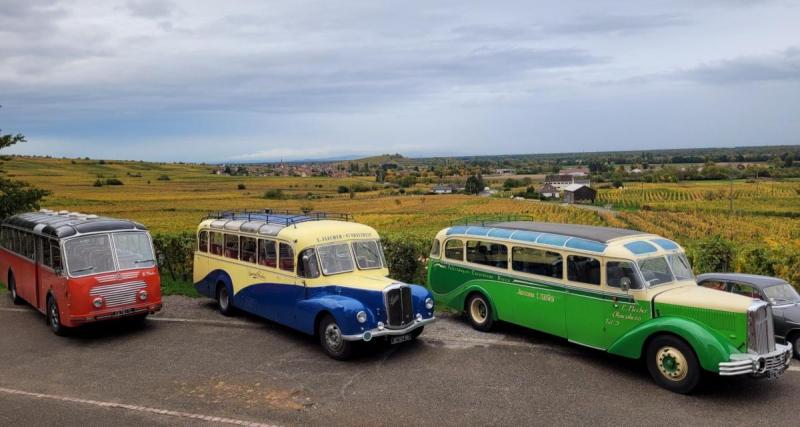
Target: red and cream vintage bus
[78,268]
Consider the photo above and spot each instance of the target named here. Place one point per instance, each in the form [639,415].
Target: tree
[474,184]
[17,196]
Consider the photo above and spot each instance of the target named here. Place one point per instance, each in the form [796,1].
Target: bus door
[48,266]
[587,304]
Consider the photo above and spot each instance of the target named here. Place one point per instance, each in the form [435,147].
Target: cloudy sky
[202,80]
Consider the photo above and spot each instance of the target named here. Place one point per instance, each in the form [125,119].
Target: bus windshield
[369,254]
[335,259]
[94,254]
[89,255]
[133,250]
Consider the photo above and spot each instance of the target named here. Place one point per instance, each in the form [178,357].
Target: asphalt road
[191,366]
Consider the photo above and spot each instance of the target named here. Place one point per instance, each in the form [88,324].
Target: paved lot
[189,364]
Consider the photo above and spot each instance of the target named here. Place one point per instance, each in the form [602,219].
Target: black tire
[224,301]
[12,290]
[479,312]
[794,340]
[673,364]
[54,318]
[330,337]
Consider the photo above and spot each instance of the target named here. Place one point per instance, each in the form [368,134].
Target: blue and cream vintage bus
[319,273]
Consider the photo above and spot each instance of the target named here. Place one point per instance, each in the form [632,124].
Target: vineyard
[764,215]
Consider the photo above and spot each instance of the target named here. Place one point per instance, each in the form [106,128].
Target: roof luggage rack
[483,220]
[279,217]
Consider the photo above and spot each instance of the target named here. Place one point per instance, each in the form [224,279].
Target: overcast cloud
[252,80]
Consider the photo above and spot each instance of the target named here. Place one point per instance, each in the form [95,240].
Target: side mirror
[625,284]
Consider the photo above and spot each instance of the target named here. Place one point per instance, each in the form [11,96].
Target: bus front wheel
[12,290]
[332,341]
[54,318]
[673,364]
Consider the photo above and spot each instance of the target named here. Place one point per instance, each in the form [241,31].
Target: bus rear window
[89,255]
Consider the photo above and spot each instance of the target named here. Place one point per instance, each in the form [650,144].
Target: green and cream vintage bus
[626,292]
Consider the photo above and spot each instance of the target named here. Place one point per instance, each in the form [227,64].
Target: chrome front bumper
[771,365]
[374,333]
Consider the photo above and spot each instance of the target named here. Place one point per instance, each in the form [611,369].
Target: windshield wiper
[83,269]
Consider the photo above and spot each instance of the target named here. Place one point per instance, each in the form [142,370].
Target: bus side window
[267,255]
[44,252]
[232,246]
[216,243]
[454,249]
[248,249]
[29,245]
[17,243]
[286,257]
[202,241]
[583,269]
[537,261]
[55,254]
[4,237]
[616,271]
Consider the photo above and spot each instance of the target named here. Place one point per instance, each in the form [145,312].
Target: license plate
[400,338]
[123,312]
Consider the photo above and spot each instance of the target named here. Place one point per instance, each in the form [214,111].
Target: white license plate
[400,338]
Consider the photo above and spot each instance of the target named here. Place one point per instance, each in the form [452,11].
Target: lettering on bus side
[536,295]
[345,236]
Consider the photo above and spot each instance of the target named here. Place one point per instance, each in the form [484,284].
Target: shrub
[342,189]
[712,254]
[406,256]
[98,183]
[113,181]
[164,178]
[755,260]
[175,254]
[241,187]
[274,194]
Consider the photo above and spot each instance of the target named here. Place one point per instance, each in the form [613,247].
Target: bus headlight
[361,316]
[381,326]
[143,295]
[429,303]
[97,302]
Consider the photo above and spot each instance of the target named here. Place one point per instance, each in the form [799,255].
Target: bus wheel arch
[479,310]
[53,316]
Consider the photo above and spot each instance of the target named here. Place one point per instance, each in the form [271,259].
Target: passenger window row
[264,252]
[541,262]
[22,243]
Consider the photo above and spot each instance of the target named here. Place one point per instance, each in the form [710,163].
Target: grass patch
[177,287]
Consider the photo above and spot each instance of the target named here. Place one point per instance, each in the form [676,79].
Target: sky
[210,81]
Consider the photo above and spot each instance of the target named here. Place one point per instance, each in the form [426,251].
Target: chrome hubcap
[672,363]
[478,310]
[333,336]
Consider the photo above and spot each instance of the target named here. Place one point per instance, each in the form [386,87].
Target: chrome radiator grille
[760,329]
[118,294]
[399,309]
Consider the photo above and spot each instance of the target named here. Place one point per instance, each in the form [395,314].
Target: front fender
[342,308]
[711,347]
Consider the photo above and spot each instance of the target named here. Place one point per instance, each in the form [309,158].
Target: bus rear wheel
[54,318]
[673,364]
[12,290]
[479,312]
[224,301]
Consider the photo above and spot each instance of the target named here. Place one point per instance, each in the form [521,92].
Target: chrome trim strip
[374,333]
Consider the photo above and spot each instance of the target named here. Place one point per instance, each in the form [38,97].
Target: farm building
[579,171]
[548,190]
[561,181]
[579,193]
